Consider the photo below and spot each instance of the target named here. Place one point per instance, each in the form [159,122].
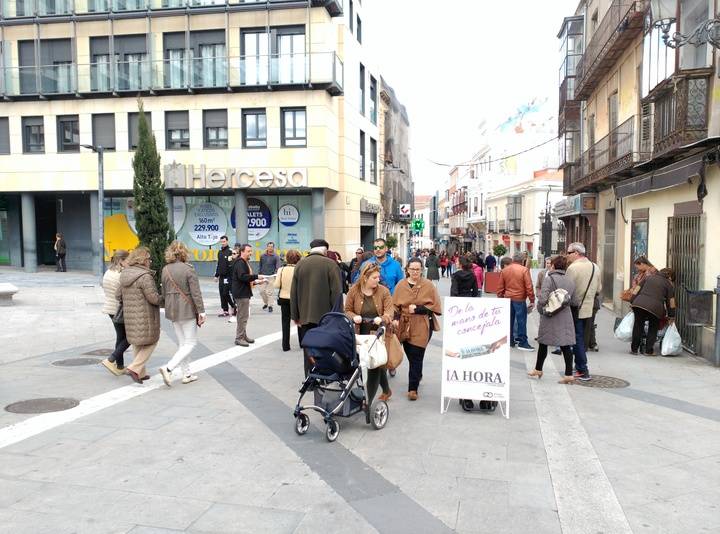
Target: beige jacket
[110,283]
[283,281]
[579,273]
[141,305]
[177,306]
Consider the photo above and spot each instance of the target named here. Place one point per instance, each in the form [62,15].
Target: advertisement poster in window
[638,242]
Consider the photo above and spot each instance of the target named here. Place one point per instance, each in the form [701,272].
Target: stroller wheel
[467,405]
[302,423]
[380,413]
[332,430]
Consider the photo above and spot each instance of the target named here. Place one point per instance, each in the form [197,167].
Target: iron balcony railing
[321,69]
[612,148]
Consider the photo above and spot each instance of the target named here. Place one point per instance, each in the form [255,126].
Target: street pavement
[221,456]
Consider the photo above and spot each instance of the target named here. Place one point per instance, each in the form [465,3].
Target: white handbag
[372,351]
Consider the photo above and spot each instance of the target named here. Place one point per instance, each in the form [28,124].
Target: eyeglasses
[381,247]
[359,251]
[571,252]
[415,270]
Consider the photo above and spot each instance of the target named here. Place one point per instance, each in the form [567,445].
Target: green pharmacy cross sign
[418,225]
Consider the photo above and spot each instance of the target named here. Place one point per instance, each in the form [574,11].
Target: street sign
[418,225]
[404,211]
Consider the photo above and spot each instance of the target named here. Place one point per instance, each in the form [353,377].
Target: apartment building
[639,137]
[265,115]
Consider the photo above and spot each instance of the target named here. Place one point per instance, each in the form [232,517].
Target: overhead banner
[476,352]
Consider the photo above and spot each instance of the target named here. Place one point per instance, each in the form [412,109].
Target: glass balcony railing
[321,69]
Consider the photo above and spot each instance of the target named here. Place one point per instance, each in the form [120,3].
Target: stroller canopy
[334,332]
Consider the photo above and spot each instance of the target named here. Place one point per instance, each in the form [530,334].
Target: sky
[457,63]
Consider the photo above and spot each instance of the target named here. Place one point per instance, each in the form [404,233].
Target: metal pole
[101,208]
[716,353]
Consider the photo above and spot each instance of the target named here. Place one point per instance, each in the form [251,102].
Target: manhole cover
[53,404]
[606,382]
[76,362]
[98,352]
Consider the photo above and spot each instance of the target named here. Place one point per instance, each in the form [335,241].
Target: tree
[499,250]
[151,215]
[391,240]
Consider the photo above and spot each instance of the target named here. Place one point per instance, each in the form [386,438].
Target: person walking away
[283,283]
[416,302]
[464,283]
[60,252]
[432,265]
[355,273]
[223,273]
[558,330]
[478,270]
[243,279]
[516,285]
[141,304]
[541,274]
[585,276]
[390,270]
[368,299]
[316,290]
[337,258]
[270,262]
[443,263]
[184,308]
[490,263]
[115,363]
[655,299]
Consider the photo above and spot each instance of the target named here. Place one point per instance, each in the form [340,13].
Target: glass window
[133,133]
[359,30]
[362,155]
[692,14]
[294,127]
[351,16]
[177,130]
[362,89]
[254,128]
[33,135]
[215,128]
[373,159]
[103,130]
[373,100]
[4,136]
[658,60]
[68,133]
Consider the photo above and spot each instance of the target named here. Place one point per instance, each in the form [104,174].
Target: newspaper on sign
[476,351]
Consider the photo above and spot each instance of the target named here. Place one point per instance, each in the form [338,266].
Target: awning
[675,174]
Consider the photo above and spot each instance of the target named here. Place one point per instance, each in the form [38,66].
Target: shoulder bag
[188,299]
[558,300]
[577,308]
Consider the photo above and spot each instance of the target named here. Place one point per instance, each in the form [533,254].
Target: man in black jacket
[242,282]
[222,277]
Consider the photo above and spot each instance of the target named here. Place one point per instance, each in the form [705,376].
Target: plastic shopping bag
[624,330]
[672,342]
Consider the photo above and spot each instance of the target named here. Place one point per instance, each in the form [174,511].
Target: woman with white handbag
[369,305]
[556,322]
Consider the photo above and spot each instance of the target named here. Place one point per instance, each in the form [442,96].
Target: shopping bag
[624,330]
[672,342]
[395,353]
[372,351]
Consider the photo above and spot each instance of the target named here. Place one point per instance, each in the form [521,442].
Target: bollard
[716,352]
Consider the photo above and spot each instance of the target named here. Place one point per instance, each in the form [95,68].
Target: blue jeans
[579,348]
[518,314]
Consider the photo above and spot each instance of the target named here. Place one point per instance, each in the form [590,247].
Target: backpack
[558,300]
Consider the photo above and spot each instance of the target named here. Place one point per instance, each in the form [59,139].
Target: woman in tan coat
[283,283]
[368,299]
[141,309]
[183,307]
[417,302]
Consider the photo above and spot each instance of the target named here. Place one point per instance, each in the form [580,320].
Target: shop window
[133,133]
[103,130]
[4,136]
[177,130]
[294,127]
[33,131]
[254,128]
[215,130]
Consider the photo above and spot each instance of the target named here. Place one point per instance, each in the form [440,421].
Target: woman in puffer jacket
[111,281]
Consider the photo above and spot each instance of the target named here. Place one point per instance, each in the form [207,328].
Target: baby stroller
[336,378]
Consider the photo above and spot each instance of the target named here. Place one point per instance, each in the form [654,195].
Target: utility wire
[479,162]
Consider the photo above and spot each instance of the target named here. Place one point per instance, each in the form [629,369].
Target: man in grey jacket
[270,263]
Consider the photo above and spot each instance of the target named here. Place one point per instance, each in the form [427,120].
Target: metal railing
[611,148]
[196,73]
[681,114]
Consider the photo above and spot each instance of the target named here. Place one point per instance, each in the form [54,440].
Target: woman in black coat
[464,283]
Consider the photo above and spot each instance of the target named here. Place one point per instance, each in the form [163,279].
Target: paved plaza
[221,456]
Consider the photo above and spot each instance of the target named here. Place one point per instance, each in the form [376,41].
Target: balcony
[613,156]
[320,70]
[621,24]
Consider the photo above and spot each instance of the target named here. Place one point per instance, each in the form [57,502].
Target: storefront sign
[259,219]
[180,176]
[584,203]
[288,215]
[369,207]
[207,222]
[404,211]
[476,351]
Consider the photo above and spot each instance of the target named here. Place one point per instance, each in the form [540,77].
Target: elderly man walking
[516,285]
[585,275]
[316,287]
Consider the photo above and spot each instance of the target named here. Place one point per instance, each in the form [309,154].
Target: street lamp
[664,14]
[101,204]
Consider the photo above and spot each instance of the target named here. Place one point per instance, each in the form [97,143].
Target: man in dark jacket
[222,276]
[242,282]
[316,288]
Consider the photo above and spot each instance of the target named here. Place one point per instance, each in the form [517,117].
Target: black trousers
[60,263]
[285,318]
[376,377]
[642,316]
[121,345]
[302,330]
[226,300]
[415,357]
[567,355]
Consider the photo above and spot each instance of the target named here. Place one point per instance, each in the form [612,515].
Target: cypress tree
[151,215]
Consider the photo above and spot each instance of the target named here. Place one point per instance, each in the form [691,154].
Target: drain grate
[52,404]
[98,352]
[604,382]
[76,362]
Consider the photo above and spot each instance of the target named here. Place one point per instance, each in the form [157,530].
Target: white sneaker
[166,376]
[189,378]
[232,319]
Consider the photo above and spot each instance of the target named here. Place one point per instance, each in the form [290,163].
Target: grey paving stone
[15,490]
[237,518]
[341,520]
[22,522]
[142,529]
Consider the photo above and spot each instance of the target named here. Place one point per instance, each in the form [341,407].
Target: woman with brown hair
[141,310]
[368,299]
[644,269]
[654,299]
[283,283]
[183,307]
[416,301]
[110,282]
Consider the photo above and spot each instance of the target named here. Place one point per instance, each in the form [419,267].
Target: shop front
[579,214]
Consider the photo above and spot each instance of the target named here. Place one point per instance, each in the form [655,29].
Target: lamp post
[664,14]
[546,235]
[101,204]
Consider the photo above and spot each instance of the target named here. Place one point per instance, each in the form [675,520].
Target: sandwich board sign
[476,351]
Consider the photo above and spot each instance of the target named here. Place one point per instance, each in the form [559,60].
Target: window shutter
[4,136]
[646,130]
[103,126]
[177,120]
[215,118]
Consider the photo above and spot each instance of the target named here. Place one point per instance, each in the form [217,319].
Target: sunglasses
[380,247]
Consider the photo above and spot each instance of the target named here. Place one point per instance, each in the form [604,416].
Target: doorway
[45,228]
[608,269]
